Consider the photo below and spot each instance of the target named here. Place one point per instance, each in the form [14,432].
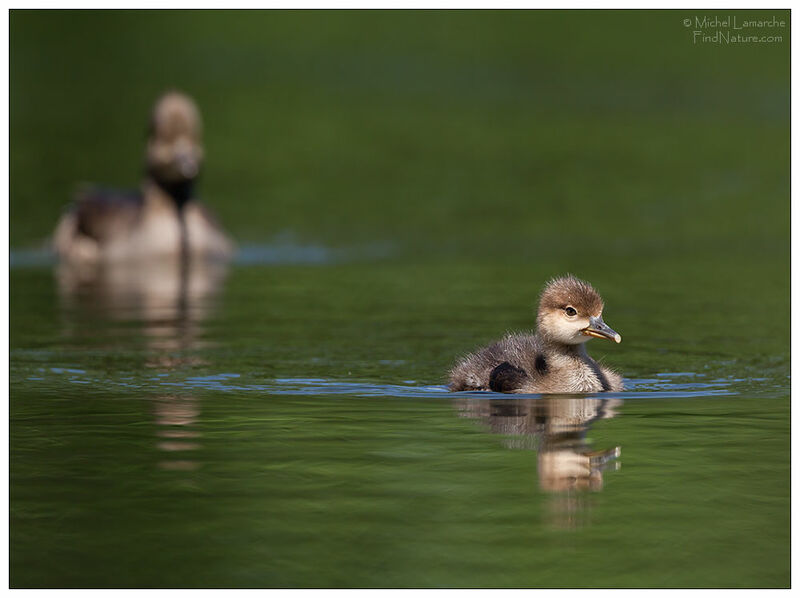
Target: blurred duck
[554,359]
[164,218]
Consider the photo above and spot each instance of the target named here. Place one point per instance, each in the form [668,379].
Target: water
[400,185]
[285,427]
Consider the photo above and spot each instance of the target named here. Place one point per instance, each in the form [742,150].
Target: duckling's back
[475,371]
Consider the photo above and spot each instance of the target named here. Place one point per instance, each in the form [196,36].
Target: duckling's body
[163,218]
[523,363]
[551,360]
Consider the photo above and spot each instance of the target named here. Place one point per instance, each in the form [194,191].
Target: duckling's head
[174,145]
[571,312]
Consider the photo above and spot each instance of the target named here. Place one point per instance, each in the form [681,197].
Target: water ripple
[282,250]
[682,385]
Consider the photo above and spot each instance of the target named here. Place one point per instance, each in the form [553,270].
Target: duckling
[163,218]
[554,359]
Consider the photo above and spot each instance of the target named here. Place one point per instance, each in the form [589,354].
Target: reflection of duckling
[164,218]
[556,427]
[552,360]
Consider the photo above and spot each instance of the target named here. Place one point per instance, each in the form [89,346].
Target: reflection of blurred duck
[164,218]
[552,360]
[170,298]
[156,291]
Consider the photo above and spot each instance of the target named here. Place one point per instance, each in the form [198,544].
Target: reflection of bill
[168,299]
[556,427]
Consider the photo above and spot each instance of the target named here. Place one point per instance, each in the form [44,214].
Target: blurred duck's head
[174,146]
[571,312]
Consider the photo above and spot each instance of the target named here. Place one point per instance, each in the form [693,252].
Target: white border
[360,4]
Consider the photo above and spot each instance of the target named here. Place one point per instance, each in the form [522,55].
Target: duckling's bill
[599,329]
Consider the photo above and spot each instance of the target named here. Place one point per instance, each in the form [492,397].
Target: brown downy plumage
[164,218]
[554,359]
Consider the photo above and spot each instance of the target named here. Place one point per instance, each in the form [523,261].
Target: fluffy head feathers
[570,291]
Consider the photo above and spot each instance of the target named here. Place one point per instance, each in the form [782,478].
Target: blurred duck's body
[554,359]
[163,219]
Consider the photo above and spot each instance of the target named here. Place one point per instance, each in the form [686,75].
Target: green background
[442,128]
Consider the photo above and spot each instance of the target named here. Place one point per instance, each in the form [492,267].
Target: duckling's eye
[570,311]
